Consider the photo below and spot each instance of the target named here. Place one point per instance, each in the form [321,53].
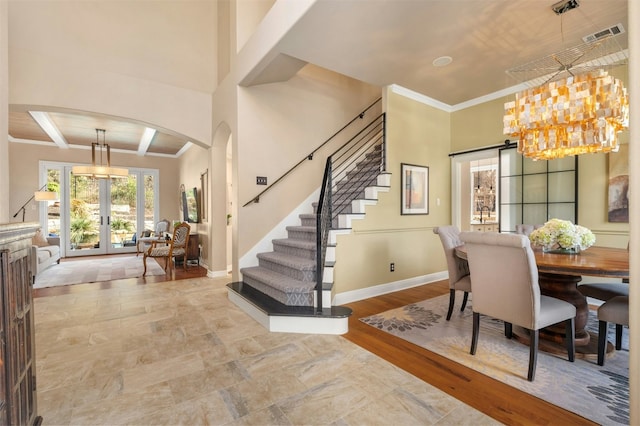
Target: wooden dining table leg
[565,287]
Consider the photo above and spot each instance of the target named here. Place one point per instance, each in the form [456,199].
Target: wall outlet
[392,267]
[261,180]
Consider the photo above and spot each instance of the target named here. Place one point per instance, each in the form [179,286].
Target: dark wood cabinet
[193,251]
[18,405]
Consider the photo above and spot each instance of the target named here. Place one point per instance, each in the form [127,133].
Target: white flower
[563,234]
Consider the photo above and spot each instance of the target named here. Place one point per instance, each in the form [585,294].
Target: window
[484,186]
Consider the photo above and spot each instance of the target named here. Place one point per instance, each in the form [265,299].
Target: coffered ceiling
[78,129]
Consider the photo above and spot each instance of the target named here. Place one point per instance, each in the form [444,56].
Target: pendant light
[101,170]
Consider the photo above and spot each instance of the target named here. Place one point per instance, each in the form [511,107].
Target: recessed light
[442,61]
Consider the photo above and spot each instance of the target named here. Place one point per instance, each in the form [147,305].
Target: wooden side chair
[176,247]
[504,282]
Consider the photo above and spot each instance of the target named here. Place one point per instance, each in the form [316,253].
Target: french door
[100,216]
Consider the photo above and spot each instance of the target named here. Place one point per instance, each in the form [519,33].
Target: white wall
[279,125]
[104,63]
[4,111]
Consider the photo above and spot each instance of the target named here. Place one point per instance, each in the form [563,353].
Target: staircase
[282,291]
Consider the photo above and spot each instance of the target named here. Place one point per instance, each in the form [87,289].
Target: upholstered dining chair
[176,247]
[504,282]
[614,310]
[605,291]
[147,237]
[526,229]
[458,268]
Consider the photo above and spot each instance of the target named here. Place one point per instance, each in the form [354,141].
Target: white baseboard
[217,274]
[378,290]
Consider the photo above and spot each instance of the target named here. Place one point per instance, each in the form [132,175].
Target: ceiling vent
[607,32]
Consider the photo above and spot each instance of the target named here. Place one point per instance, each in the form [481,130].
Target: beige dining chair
[176,247]
[458,268]
[526,229]
[615,310]
[605,291]
[504,282]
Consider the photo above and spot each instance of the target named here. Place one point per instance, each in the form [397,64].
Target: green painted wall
[416,134]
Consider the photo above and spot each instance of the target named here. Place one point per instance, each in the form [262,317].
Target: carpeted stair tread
[278,281]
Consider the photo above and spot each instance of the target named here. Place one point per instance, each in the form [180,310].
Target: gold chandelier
[575,115]
[100,171]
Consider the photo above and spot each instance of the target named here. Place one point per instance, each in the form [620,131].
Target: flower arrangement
[562,234]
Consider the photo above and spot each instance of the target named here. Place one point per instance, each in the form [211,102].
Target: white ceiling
[380,42]
[396,41]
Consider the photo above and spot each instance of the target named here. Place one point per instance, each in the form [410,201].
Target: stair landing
[278,317]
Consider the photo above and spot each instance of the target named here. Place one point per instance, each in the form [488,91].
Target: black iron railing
[364,153]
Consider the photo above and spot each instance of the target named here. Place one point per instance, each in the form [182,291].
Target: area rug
[91,270]
[600,394]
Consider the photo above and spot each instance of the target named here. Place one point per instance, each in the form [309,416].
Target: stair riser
[342,209]
[301,235]
[302,275]
[308,221]
[295,251]
[291,299]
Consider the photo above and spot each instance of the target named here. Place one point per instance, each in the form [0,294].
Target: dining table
[559,275]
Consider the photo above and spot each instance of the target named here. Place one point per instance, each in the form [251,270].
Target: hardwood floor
[502,402]
[496,399]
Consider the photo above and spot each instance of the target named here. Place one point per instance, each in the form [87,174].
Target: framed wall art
[619,185]
[415,189]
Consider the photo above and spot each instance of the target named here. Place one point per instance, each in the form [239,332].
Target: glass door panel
[535,189]
[123,214]
[149,216]
[53,207]
[562,187]
[534,214]
[541,189]
[85,216]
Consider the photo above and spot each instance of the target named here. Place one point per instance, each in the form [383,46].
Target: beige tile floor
[179,352]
